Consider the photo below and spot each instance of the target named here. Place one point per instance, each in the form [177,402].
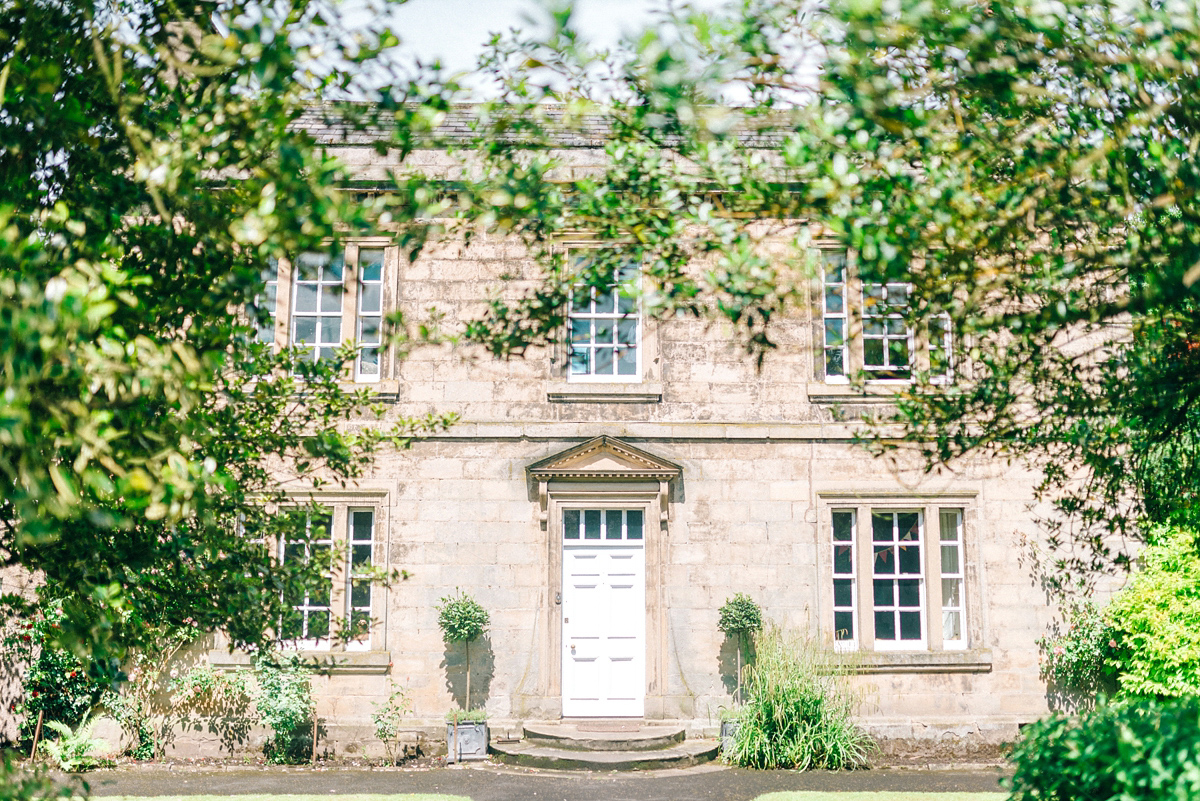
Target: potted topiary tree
[740,618]
[462,619]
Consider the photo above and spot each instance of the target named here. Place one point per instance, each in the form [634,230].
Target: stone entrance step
[615,744]
[531,754]
[604,735]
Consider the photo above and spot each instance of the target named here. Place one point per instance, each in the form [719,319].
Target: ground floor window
[897,577]
[338,612]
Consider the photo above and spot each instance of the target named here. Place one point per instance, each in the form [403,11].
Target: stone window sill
[873,392]
[605,393]
[974,661]
[344,663]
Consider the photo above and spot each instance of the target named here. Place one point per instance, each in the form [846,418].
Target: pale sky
[455,30]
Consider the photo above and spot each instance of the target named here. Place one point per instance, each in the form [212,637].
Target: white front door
[604,613]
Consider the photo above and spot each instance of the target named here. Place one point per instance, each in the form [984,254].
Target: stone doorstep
[599,736]
[532,755]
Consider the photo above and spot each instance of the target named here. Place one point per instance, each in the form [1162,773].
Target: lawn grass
[272,797]
[793,795]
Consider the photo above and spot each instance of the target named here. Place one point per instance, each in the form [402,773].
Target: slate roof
[326,125]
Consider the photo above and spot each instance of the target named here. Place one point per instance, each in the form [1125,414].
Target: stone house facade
[604,497]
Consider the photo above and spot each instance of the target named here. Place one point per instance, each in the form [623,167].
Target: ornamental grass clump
[798,709]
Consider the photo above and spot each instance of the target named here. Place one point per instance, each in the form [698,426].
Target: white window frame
[896,609]
[628,274]
[853,319]
[933,605]
[886,318]
[354,559]
[950,606]
[321,261]
[305,607]
[269,299]
[363,314]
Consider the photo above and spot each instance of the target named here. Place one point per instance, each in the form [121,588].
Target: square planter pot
[728,732]
[472,741]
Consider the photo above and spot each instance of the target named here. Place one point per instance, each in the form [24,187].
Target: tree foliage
[1028,168]
[150,171]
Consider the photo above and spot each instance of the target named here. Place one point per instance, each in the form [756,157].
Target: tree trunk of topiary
[468,704]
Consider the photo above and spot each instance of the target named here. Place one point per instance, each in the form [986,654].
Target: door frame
[642,495]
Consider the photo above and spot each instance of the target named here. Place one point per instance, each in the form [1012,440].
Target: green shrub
[740,616]
[1125,751]
[284,701]
[388,717]
[33,783]
[1156,620]
[798,709]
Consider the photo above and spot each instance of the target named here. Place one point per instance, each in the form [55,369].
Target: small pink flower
[1112,643]
[1058,650]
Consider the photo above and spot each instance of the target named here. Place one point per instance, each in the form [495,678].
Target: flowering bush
[57,684]
[1081,659]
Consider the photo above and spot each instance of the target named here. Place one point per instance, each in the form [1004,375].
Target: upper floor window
[865,333]
[606,331]
[322,300]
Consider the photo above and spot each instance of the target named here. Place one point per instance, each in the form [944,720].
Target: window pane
[885,560]
[908,592]
[571,524]
[581,331]
[333,270]
[843,592]
[633,519]
[605,303]
[873,327]
[370,298]
[950,524]
[591,524]
[360,556]
[951,592]
[950,559]
[910,559]
[331,298]
[292,625]
[843,526]
[884,591]
[910,625]
[318,625]
[580,361]
[368,333]
[370,264]
[627,331]
[843,559]
[833,300]
[306,298]
[898,352]
[612,524]
[843,625]
[306,330]
[835,333]
[835,265]
[873,352]
[368,361]
[833,363]
[908,524]
[581,300]
[626,304]
[604,332]
[881,526]
[952,624]
[604,361]
[885,625]
[360,593]
[331,329]
[627,361]
[361,524]
[327,354]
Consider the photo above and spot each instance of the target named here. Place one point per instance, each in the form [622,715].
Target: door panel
[604,630]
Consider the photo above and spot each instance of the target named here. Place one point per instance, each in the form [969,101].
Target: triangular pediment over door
[605,458]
